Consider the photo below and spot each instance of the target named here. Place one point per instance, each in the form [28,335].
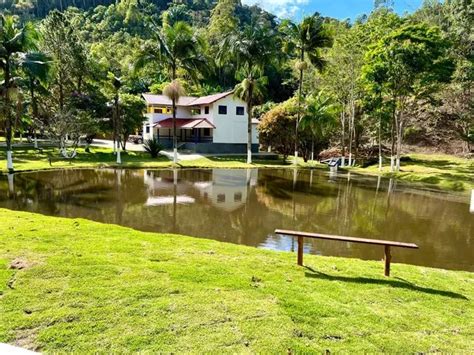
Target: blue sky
[340,9]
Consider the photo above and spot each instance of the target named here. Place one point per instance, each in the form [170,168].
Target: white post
[392,163]
[249,156]
[343,161]
[36,142]
[175,155]
[9,161]
[11,186]
[471,209]
[350,159]
[380,163]
[119,158]
[296,158]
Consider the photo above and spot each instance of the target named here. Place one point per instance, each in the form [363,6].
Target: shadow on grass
[397,283]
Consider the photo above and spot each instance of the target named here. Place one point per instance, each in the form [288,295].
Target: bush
[153,147]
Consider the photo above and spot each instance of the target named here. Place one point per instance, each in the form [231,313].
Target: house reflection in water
[228,189]
[225,189]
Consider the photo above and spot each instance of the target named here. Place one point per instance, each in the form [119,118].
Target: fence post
[300,251]
[387,258]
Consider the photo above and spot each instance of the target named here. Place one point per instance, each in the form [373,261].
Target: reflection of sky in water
[246,206]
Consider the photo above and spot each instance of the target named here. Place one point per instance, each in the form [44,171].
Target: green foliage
[153,147]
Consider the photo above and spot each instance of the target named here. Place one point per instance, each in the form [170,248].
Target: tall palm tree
[174,91]
[250,89]
[252,49]
[306,39]
[318,117]
[174,47]
[16,44]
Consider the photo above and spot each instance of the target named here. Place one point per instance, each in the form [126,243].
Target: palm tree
[250,89]
[252,49]
[306,39]
[37,72]
[16,42]
[174,47]
[318,118]
[174,91]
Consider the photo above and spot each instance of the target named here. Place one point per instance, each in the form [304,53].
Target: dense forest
[366,87]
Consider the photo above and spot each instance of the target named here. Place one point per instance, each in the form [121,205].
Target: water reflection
[245,207]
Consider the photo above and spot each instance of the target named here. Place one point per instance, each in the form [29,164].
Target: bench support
[300,251]
[387,258]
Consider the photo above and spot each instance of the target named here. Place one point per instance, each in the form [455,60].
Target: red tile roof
[185,100]
[185,123]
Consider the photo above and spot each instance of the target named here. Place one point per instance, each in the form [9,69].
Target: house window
[168,109]
[221,198]
[238,197]
[158,110]
[207,132]
[196,111]
[222,110]
[206,110]
[240,111]
[147,129]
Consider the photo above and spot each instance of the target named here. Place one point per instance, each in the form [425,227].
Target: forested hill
[355,84]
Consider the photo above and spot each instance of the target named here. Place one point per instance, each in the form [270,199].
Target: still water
[246,206]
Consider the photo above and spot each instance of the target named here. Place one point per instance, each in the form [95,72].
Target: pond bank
[76,285]
[438,171]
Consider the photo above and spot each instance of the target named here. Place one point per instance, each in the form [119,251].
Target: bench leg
[300,251]
[387,258]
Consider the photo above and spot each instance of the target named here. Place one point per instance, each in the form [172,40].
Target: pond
[246,206]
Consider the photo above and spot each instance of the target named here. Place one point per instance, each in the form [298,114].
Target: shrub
[153,147]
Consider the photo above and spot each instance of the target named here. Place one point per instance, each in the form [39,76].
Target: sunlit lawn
[438,170]
[90,287]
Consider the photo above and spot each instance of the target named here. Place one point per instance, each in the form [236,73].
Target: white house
[211,124]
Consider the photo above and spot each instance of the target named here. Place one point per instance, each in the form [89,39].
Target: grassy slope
[438,170]
[95,287]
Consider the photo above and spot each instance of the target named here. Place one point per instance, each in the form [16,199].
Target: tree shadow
[396,282]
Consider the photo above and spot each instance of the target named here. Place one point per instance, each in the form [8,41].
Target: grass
[27,159]
[90,287]
[437,170]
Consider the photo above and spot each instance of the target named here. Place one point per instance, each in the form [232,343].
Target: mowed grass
[437,170]
[90,287]
[28,159]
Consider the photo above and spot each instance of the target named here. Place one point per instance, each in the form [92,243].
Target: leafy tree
[307,39]
[131,110]
[318,119]
[16,45]
[406,65]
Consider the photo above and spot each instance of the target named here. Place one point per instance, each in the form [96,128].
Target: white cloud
[281,8]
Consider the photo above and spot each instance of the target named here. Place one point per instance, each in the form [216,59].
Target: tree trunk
[9,123]
[343,136]
[298,115]
[249,126]
[175,137]
[392,148]
[380,143]
[117,128]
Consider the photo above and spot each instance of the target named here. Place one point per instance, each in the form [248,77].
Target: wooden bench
[386,243]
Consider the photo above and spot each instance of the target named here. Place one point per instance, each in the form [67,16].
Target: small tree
[131,110]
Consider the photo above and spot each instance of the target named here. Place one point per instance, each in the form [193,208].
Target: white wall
[230,128]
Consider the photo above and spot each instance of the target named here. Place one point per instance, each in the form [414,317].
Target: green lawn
[29,159]
[438,170]
[90,287]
